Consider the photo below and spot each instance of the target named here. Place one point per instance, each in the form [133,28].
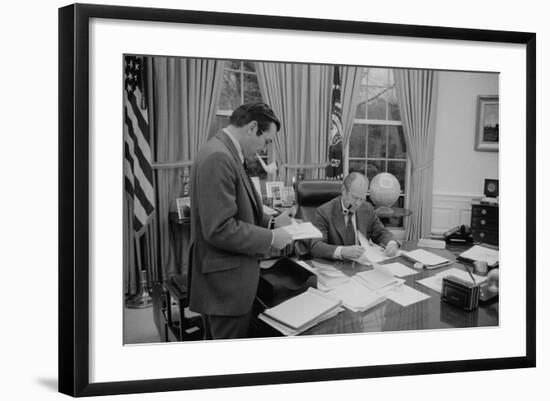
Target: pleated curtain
[417,96]
[351,86]
[300,95]
[186,93]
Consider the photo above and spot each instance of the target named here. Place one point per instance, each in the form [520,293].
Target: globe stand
[385,211]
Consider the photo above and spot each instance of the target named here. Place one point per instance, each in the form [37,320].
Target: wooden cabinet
[484,223]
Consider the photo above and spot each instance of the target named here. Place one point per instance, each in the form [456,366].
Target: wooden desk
[390,316]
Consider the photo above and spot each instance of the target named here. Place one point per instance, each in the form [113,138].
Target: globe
[384,192]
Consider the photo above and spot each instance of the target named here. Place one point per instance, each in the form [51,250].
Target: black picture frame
[74,191]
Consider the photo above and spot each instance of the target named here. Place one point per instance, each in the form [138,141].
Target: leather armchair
[310,194]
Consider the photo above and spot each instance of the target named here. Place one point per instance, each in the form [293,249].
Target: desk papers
[405,295]
[373,253]
[435,282]
[355,296]
[480,253]
[328,276]
[268,210]
[298,312]
[399,270]
[287,331]
[303,231]
[428,259]
[376,279]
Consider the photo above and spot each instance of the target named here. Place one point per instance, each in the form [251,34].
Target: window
[240,85]
[377,143]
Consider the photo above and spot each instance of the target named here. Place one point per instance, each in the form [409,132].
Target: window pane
[397,147]
[378,76]
[376,103]
[251,88]
[357,165]
[361,111]
[249,66]
[233,64]
[230,97]
[393,105]
[377,141]
[374,167]
[357,141]
[218,122]
[255,168]
[399,169]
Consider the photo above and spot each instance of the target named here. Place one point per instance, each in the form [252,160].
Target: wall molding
[451,209]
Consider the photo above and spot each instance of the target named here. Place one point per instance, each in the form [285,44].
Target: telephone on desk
[460,233]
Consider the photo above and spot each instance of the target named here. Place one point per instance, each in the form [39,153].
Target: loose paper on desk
[435,282]
[480,253]
[405,295]
[355,296]
[428,259]
[303,231]
[376,279]
[399,270]
[269,211]
[328,276]
[373,253]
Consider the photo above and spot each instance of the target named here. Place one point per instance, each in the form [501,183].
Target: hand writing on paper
[391,249]
[352,251]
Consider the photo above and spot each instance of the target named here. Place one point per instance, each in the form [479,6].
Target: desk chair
[310,194]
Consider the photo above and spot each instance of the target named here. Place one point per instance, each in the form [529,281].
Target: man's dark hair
[259,112]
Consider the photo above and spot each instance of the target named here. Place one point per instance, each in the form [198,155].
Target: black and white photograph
[262,199]
[399,238]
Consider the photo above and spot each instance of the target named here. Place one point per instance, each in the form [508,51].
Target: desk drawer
[488,223]
[484,235]
[485,211]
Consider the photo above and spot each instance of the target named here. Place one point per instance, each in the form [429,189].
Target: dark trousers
[220,327]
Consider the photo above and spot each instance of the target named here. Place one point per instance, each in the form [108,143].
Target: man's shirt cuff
[337,253]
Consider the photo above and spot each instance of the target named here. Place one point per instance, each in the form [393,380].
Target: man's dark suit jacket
[228,232]
[330,220]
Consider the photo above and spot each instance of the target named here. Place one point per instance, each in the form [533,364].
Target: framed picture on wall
[93,360]
[487,124]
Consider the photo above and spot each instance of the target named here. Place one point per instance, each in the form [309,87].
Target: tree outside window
[240,85]
[377,143]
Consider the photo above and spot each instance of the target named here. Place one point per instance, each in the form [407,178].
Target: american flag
[335,170]
[138,173]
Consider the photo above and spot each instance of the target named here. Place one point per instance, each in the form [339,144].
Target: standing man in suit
[341,218]
[229,230]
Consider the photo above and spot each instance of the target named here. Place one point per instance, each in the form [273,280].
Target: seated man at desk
[340,218]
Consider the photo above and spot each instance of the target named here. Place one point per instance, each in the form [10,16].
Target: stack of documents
[435,282]
[399,270]
[303,231]
[328,276]
[480,253]
[356,297]
[301,312]
[376,279]
[428,259]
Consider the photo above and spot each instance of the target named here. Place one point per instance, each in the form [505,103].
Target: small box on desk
[283,280]
[460,293]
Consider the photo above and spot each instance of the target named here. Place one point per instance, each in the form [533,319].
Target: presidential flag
[138,173]
[335,170]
